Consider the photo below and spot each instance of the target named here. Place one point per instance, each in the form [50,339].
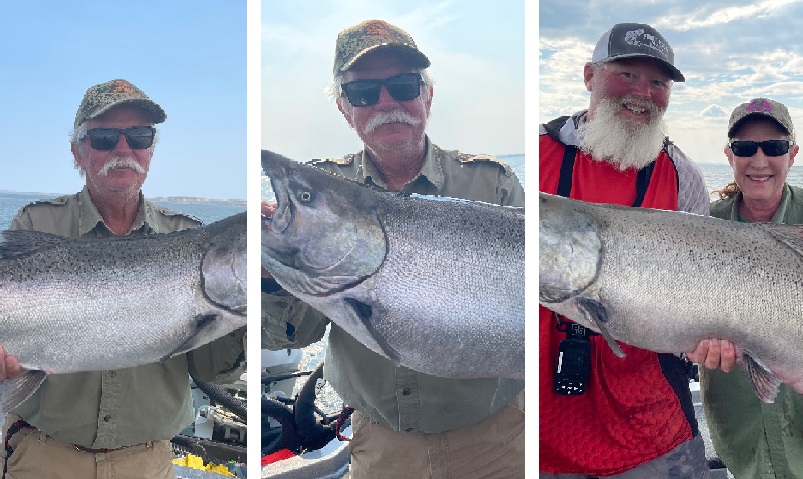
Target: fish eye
[304,196]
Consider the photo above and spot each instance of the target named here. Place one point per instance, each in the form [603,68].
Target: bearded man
[601,415]
[406,424]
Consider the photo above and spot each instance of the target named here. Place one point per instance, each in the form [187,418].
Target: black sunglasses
[137,137]
[769,147]
[402,87]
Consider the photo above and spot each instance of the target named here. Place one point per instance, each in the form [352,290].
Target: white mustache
[395,116]
[121,162]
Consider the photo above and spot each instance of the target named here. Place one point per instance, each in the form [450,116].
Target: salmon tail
[596,314]
[14,391]
[764,383]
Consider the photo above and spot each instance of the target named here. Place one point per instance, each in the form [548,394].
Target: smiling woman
[761,150]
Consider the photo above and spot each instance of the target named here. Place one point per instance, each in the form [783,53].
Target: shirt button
[406,391]
[107,417]
[111,374]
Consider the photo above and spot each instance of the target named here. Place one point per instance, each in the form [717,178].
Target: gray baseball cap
[100,98]
[762,107]
[629,40]
[354,42]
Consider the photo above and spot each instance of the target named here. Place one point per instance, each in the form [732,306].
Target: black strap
[642,182]
[566,169]
[552,129]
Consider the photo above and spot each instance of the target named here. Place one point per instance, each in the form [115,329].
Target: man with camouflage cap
[408,424]
[114,423]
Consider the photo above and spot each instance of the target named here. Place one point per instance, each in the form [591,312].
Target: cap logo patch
[380,30]
[758,105]
[639,38]
[123,87]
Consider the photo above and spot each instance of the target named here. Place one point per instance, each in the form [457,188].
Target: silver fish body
[435,285]
[70,305]
[664,281]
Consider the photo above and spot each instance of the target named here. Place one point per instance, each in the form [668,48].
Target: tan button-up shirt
[115,408]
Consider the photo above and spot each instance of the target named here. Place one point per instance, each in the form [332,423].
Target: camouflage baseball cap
[764,107]
[100,98]
[370,35]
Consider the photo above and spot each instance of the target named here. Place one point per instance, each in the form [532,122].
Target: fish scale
[664,281]
[435,284]
[69,305]
[463,263]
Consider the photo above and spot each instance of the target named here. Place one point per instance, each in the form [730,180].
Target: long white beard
[622,143]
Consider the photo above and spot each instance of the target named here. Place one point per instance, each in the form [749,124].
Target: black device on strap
[574,359]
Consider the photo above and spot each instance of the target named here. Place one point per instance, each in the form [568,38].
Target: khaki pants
[38,456]
[493,448]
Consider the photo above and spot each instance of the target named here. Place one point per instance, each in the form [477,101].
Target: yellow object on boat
[195,462]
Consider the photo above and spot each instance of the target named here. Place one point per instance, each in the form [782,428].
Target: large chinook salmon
[664,281]
[435,284]
[69,305]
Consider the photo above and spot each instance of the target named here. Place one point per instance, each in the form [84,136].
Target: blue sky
[729,51]
[477,54]
[188,56]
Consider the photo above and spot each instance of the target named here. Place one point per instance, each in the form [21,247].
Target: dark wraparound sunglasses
[402,87]
[769,147]
[137,137]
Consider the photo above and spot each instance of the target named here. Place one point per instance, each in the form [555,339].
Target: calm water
[10,204]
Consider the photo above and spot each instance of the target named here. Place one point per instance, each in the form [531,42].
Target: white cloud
[708,15]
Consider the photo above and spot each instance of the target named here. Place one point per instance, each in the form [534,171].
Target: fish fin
[364,312]
[202,322]
[596,314]
[764,383]
[14,391]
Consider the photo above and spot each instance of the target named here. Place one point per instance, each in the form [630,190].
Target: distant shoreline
[189,200]
[186,200]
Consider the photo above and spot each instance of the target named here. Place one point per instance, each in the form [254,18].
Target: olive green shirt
[399,397]
[753,439]
[115,408]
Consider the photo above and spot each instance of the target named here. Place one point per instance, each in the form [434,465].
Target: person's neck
[397,167]
[118,212]
[758,211]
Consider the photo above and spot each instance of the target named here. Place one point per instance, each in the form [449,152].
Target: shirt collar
[431,170]
[780,212]
[89,217]
[783,206]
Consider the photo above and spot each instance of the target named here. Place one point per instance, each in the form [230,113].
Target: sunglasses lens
[139,137]
[404,87]
[744,148]
[769,147]
[103,138]
[775,147]
[362,92]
